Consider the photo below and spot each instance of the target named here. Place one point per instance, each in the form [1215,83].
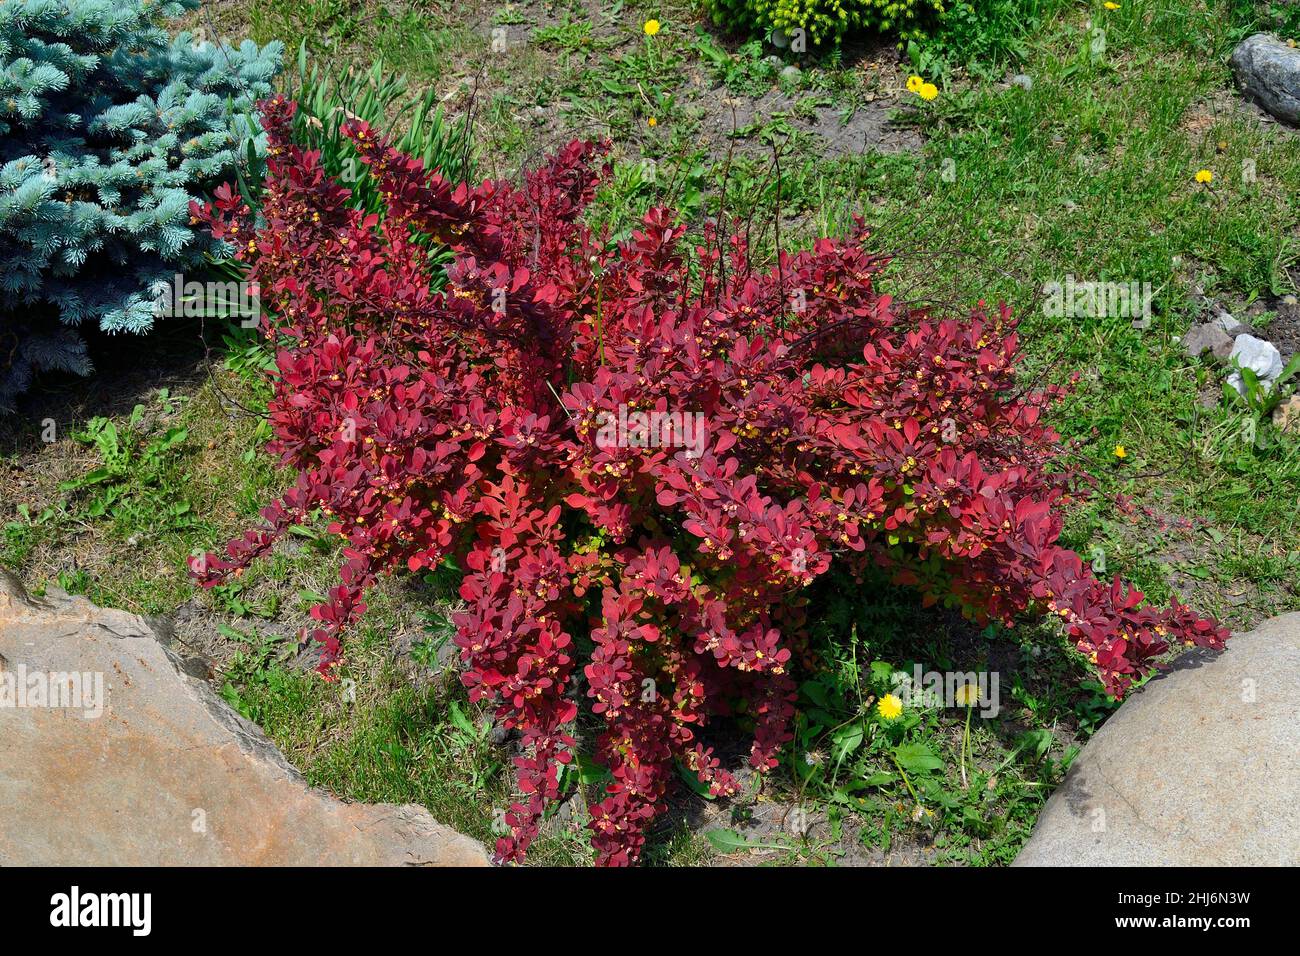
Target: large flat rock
[157,769]
[1201,767]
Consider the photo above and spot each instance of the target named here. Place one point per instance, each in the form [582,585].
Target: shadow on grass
[128,368]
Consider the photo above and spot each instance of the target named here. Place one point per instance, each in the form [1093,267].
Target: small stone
[1287,416]
[1023,80]
[1229,323]
[1207,336]
[791,74]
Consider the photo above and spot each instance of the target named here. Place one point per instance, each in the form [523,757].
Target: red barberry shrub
[648,445]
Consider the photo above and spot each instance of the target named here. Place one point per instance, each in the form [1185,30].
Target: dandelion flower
[928,91]
[652,122]
[914,83]
[889,707]
[651,27]
[1120,452]
[1111,5]
[968,695]
[1204,176]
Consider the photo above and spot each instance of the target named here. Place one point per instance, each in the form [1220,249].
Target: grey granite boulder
[111,754]
[1201,767]
[1268,72]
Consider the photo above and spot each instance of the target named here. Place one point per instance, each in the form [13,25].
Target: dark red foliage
[475,422]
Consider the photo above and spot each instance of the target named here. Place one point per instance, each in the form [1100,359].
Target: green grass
[1089,173]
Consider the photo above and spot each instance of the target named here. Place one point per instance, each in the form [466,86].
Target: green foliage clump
[109,127]
[829,20]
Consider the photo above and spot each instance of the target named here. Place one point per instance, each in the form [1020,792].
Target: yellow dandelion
[1120,452]
[914,83]
[968,695]
[1204,176]
[889,707]
[651,27]
[1110,5]
[652,122]
[928,91]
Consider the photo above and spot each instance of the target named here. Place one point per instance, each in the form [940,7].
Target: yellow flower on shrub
[651,27]
[889,707]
